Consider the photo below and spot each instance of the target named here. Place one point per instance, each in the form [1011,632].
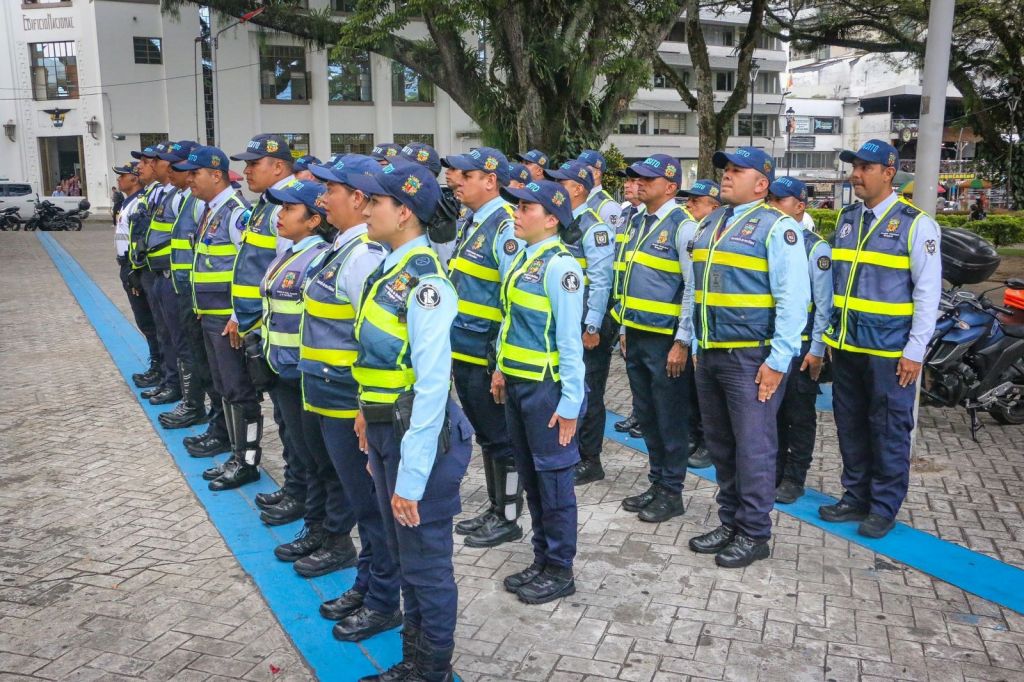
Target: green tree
[531,73]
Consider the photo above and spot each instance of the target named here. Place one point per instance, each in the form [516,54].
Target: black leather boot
[432,664]
[267,500]
[469,525]
[501,526]
[192,408]
[554,583]
[208,446]
[309,539]
[149,378]
[245,424]
[166,396]
[364,623]
[287,510]
[410,656]
[624,425]
[336,553]
[588,470]
[150,392]
[348,603]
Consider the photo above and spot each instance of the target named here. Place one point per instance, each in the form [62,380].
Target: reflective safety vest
[811,240]
[158,234]
[138,226]
[587,221]
[474,273]
[383,366]
[872,303]
[596,202]
[648,285]
[182,234]
[328,345]
[528,349]
[733,303]
[214,260]
[281,289]
[255,253]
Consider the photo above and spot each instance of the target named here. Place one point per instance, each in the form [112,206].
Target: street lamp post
[754,68]
[790,127]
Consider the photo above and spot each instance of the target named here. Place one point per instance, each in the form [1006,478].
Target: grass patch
[1007,251]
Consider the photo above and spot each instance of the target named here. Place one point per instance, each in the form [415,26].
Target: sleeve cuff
[594,319]
[778,365]
[409,485]
[914,351]
[818,349]
[568,409]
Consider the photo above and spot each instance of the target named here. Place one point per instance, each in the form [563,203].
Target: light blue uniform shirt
[361,263]
[431,354]
[821,293]
[791,288]
[600,259]
[925,273]
[506,232]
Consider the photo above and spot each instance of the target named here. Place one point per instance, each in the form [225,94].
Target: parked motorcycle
[976,356]
[10,219]
[51,217]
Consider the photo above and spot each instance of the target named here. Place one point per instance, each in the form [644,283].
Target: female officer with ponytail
[540,378]
[417,438]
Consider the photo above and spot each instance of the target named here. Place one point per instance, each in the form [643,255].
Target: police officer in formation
[535,161]
[887,277]
[598,198]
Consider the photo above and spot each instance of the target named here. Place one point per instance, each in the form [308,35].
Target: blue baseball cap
[575,170]
[519,173]
[593,158]
[130,168]
[305,192]
[204,157]
[178,151]
[343,167]
[486,159]
[274,146]
[747,157]
[656,166]
[550,195]
[150,152]
[423,154]
[304,162]
[406,181]
[386,151]
[703,188]
[534,156]
[873,151]
[788,187]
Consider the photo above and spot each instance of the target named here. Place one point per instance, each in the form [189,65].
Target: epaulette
[848,207]
[911,210]
[374,246]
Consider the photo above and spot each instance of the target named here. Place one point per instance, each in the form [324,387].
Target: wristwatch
[591,329]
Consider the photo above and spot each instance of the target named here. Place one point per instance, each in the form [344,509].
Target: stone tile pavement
[101,583]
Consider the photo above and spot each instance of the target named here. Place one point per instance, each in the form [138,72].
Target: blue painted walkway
[294,600]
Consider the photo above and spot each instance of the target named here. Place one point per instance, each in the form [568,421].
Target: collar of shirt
[883,205]
[665,209]
[132,196]
[739,209]
[303,243]
[484,212]
[397,255]
[219,200]
[168,186]
[579,210]
[348,235]
[283,182]
[532,249]
[596,190]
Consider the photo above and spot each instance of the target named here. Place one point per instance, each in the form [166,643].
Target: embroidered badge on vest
[845,230]
[533,271]
[891,230]
[289,280]
[395,289]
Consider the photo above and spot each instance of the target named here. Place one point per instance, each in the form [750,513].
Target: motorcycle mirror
[1015,283]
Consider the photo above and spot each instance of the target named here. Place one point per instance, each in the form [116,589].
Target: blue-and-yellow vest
[255,253]
[648,282]
[733,306]
[474,273]
[528,349]
[383,366]
[598,201]
[138,226]
[158,234]
[182,234]
[214,261]
[281,289]
[588,220]
[872,304]
[811,240]
[328,343]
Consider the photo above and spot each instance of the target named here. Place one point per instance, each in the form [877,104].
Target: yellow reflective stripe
[329,356]
[210,277]
[328,412]
[384,378]
[739,260]
[181,244]
[872,258]
[483,272]
[161,226]
[181,266]
[619,265]
[699,255]
[582,262]
[162,251]
[527,356]
[283,339]
[857,349]
[864,305]
[472,360]
[663,264]
[714,298]
[374,397]
[528,300]
[385,321]
[245,291]
[216,249]
[734,344]
[644,327]
[656,307]
[285,307]
[529,375]
[478,310]
[262,241]
[330,311]
[214,311]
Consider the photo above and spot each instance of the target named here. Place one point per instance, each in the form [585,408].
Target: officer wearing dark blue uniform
[594,250]
[750,305]
[540,378]
[485,249]
[416,436]
[798,416]
[887,275]
[652,303]
[536,162]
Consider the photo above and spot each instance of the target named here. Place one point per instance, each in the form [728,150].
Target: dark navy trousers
[141,311]
[377,576]
[741,435]
[473,386]
[597,363]
[193,332]
[430,598]
[874,418]
[168,352]
[546,468]
[661,405]
[167,310]
[798,423]
[227,365]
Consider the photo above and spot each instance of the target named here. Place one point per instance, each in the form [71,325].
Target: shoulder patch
[824,263]
[911,210]
[427,296]
[848,207]
[930,247]
[790,236]
[601,238]
[510,246]
[571,282]
[422,260]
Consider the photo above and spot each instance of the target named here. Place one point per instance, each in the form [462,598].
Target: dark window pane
[283,74]
[147,50]
[54,70]
[351,143]
[348,80]
[409,86]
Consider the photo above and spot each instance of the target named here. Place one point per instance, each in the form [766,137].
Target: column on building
[384,124]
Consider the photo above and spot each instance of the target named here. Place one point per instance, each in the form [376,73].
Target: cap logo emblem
[767,167]
[892,159]
[542,161]
[411,186]
[422,155]
[192,158]
[387,169]
[391,152]
[713,192]
[491,163]
[670,171]
[272,146]
[214,161]
[583,174]
[742,152]
[871,147]
[558,199]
